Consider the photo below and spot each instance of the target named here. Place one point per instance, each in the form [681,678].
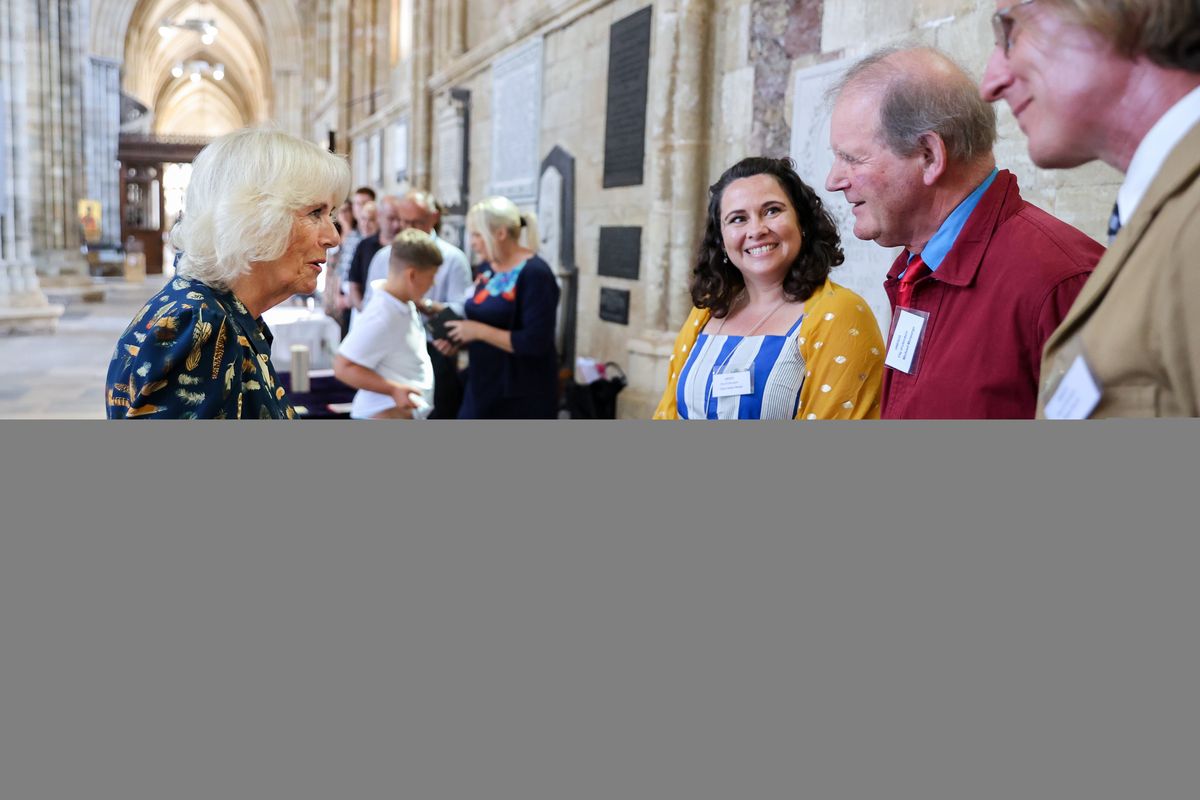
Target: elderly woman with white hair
[512,372]
[256,230]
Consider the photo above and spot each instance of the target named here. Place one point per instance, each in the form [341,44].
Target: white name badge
[906,339]
[1077,394]
[732,384]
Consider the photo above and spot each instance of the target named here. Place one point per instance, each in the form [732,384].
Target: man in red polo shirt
[985,277]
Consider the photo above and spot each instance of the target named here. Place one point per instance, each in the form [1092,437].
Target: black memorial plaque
[614,306]
[620,252]
[628,79]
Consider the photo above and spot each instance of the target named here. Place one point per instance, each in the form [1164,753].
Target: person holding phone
[512,370]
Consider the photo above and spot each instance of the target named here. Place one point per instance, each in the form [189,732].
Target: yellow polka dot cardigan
[842,350]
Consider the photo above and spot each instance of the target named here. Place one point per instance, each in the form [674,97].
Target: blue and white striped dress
[778,375]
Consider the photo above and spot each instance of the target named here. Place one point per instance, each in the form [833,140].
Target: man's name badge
[1077,394]
[906,340]
[732,384]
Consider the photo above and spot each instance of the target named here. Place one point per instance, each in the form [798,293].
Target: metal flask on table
[300,360]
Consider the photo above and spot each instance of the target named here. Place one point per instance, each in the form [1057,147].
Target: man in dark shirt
[390,225]
[985,277]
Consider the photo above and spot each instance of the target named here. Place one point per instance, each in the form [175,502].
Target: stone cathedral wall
[757,72]
[473,97]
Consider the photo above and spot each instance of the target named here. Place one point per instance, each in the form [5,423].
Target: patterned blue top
[194,352]
[777,369]
[522,384]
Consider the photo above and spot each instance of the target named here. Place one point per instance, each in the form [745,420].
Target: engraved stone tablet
[3,145]
[400,149]
[360,162]
[614,306]
[549,213]
[516,122]
[620,252]
[556,227]
[375,159]
[628,77]
[451,135]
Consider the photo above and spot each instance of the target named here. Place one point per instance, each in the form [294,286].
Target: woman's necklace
[509,262]
[757,326]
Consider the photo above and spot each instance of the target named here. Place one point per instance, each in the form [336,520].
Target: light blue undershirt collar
[939,246]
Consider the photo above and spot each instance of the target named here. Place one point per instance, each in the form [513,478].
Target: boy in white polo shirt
[384,355]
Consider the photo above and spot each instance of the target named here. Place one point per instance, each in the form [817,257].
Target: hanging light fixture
[197,69]
[207,28]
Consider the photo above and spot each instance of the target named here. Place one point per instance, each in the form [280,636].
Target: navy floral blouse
[522,384]
[194,352]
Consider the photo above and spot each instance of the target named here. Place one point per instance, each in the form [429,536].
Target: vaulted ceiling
[255,38]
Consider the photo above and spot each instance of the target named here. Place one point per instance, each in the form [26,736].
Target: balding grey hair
[424,200]
[912,103]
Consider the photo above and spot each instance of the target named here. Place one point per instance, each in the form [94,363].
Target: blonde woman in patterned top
[257,228]
[771,337]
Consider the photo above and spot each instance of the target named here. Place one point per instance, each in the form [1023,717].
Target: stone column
[421,118]
[449,30]
[456,43]
[362,43]
[678,165]
[58,180]
[101,135]
[341,69]
[311,73]
[287,102]
[23,306]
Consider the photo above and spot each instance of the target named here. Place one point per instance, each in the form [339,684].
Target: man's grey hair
[945,101]
[424,200]
[245,190]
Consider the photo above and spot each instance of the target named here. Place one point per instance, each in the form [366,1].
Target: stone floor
[61,375]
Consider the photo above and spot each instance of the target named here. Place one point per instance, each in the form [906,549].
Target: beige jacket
[1137,320]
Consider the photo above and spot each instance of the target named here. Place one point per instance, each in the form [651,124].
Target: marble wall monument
[453,167]
[517,122]
[556,231]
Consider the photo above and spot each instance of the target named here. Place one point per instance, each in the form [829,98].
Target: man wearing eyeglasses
[1117,81]
[985,277]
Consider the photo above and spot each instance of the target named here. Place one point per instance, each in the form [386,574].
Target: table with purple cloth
[323,390]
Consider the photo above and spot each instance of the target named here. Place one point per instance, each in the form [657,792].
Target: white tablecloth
[297,325]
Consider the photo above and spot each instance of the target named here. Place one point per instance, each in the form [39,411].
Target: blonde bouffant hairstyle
[499,213]
[245,190]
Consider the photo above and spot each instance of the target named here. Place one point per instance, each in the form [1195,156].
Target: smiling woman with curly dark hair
[771,337]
